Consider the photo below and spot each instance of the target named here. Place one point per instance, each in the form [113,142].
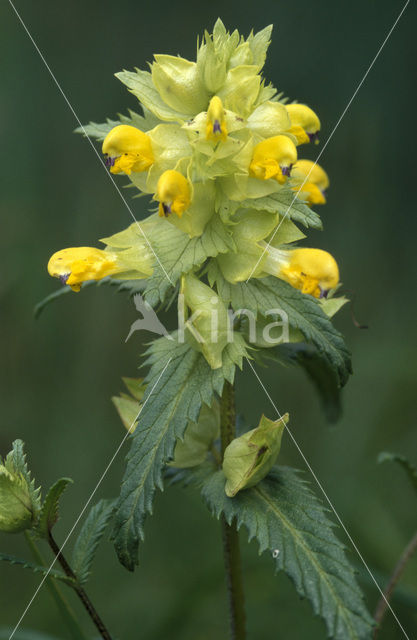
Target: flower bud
[248,459]
[316,181]
[273,158]
[207,327]
[127,149]
[16,511]
[305,124]
[313,271]
[173,192]
[179,84]
[216,123]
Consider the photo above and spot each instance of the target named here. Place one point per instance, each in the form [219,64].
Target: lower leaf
[287,520]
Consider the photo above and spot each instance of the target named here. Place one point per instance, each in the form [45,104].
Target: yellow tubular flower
[173,193]
[305,124]
[316,184]
[216,123]
[127,149]
[273,158]
[312,271]
[79,264]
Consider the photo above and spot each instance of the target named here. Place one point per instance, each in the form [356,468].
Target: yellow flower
[316,181]
[313,271]
[273,158]
[304,123]
[173,193]
[79,264]
[127,149]
[216,122]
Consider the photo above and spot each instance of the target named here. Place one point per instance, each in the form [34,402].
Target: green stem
[88,605]
[230,535]
[397,573]
[64,608]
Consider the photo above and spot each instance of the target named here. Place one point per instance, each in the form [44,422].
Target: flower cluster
[215,142]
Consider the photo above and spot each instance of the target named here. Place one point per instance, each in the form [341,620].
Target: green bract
[249,458]
[19,500]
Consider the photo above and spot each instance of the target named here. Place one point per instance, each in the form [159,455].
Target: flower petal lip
[127,149]
[273,158]
[76,265]
[216,121]
[173,193]
[312,181]
[303,116]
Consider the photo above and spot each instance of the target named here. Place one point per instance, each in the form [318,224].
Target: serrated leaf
[36,568]
[304,313]
[317,369]
[100,130]
[179,253]
[170,402]
[50,508]
[89,538]
[140,84]
[286,204]
[15,462]
[284,516]
[408,467]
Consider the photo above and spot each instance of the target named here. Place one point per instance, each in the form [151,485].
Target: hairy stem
[396,575]
[231,550]
[79,590]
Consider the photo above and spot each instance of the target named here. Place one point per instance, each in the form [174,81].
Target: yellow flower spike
[305,124]
[216,121]
[273,158]
[79,264]
[173,192]
[127,149]
[314,188]
[313,271]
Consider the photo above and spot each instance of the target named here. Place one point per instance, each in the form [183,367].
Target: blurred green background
[58,373]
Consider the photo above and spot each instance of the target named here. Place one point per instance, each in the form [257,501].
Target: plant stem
[79,590]
[230,535]
[65,610]
[396,575]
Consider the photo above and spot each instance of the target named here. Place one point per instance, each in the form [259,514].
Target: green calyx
[249,458]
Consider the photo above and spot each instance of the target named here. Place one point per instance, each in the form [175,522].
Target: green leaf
[317,369]
[100,130]
[89,538]
[291,524]
[304,313]
[50,509]
[140,84]
[36,568]
[179,253]
[174,396]
[408,467]
[286,204]
[15,462]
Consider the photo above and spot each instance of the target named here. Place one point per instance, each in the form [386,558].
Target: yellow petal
[173,193]
[77,265]
[304,117]
[127,149]
[273,157]
[216,123]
